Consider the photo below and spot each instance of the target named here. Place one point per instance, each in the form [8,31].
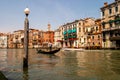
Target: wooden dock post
[26,38]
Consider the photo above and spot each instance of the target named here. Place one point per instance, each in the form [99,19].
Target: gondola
[48,52]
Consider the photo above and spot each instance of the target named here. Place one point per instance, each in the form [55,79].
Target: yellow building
[16,39]
[34,38]
[94,37]
[81,34]
[111,24]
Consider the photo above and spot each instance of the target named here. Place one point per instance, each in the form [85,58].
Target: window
[97,28]
[99,43]
[79,29]
[111,34]
[117,22]
[80,24]
[92,37]
[80,39]
[110,24]
[98,36]
[86,29]
[110,11]
[84,40]
[83,29]
[103,14]
[116,9]
[103,35]
[103,25]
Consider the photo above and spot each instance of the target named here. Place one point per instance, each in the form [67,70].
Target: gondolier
[50,45]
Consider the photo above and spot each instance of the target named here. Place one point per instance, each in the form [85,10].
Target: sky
[42,12]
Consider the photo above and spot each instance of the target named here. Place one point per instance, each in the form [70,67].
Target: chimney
[105,4]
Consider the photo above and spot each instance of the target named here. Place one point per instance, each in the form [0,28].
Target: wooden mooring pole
[26,38]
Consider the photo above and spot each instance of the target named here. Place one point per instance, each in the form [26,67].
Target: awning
[72,39]
[59,40]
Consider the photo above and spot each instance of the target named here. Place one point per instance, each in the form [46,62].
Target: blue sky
[55,12]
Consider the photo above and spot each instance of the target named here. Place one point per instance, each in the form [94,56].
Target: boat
[48,52]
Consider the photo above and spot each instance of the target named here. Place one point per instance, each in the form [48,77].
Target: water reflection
[65,65]
[115,62]
[25,74]
[42,60]
[3,59]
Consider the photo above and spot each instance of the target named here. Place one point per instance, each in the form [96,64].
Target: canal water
[65,65]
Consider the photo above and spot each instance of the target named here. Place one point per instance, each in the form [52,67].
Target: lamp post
[26,38]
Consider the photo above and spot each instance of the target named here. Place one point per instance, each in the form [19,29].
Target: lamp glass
[27,11]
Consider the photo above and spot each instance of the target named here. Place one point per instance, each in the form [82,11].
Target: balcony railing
[111,29]
[70,31]
[115,38]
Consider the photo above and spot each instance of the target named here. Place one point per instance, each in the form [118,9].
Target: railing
[112,28]
[115,38]
[70,31]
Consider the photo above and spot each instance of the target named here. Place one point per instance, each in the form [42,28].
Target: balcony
[111,29]
[104,39]
[115,28]
[104,30]
[115,38]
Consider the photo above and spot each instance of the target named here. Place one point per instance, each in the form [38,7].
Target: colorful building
[70,34]
[57,38]
[18,39]
[3,40]
[93,32]
[89,23]
[48,36]
[110,14]
[81,34]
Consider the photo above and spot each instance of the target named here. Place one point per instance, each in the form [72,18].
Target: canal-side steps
[2,77]
[73,49]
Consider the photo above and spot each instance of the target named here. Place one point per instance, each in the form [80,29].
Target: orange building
[48,36]
[94,37]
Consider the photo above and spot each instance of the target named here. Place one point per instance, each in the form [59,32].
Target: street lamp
[26,38]
[26,11]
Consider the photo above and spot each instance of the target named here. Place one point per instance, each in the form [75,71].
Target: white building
[57,38]
[3,41]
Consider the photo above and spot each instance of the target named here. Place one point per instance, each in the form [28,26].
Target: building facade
[34,38]
[81,34]
[16,39]
[93,33]
[70,34]
[48,36]
[3,41]
[111,24]
[57,38]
